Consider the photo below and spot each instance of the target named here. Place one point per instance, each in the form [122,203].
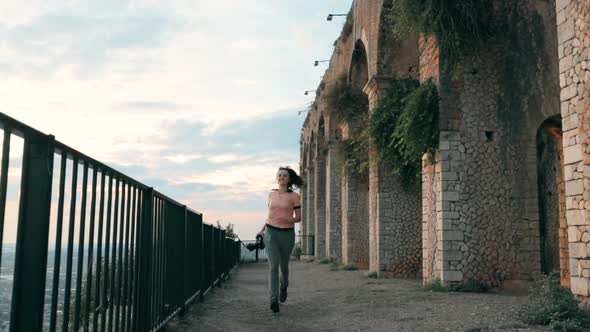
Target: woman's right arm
[262,230]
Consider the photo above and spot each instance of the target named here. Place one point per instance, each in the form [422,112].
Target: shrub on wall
[461,27]
[355,157]
[345,99]
[404,126]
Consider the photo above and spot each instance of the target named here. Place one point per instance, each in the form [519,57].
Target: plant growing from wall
[461,27]
[355,157]
[346,100]
[404,126]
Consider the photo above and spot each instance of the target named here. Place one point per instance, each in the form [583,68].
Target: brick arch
[358,71]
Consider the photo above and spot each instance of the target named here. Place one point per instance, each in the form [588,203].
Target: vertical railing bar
[90,259]
[163,244]
[136,240]
[120,257]
[4,184]
[142,317]
[58,236]
[159,264]
[114,256]
[32,234]
[66,316]
[125,259]
[105,301]
[82,229]
[155,241]
[96,302]
[126,279]
[165,261]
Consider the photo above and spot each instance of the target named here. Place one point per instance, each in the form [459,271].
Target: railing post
[142,310]
[186,263]
[33,234]
[199,254]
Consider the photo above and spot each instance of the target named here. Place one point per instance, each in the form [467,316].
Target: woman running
[279,232]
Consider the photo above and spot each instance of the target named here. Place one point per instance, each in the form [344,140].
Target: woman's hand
[261,233]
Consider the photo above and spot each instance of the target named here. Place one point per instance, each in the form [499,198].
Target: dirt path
[322,299]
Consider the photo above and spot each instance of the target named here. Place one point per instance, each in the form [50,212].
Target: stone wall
[320,205]
[310,217]
[355,220]
[333,205]
[573,18]
[487,194]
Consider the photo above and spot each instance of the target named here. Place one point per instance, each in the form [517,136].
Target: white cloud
[224,158]
[106,89]
[183,158]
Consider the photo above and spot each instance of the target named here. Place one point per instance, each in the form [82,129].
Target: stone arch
[355,185]
[395,217]
[553,230]
[359,66]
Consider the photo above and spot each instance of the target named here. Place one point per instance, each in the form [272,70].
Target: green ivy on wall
[346,100]
[461,27]
[404,126]
[355,154]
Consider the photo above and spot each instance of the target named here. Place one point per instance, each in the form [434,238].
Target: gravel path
[321,299]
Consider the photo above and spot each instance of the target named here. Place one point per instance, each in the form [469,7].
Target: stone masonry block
[570,122]
[572,154]
[574,187]
[565,31]
[452,255]
[579,286]
[454,236]
[573,234]
[578,250]
[451,196]
[569,92]
[565,63]
[451,276]
[577,217]
[561,4]
[575,268]
[568,172]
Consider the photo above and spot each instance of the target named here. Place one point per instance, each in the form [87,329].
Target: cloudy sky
[196,98]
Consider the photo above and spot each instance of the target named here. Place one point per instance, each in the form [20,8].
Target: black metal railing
[97,250]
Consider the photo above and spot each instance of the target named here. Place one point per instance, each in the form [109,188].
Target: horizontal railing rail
[97,250]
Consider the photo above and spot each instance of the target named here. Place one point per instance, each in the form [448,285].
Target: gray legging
[279,245]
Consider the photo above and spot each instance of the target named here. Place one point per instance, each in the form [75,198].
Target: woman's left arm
[297,208]
[297,215]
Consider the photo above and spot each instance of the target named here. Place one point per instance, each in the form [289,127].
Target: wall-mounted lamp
[317,62]
[308,91]
[331,16]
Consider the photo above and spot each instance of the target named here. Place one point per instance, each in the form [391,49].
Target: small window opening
[489,136]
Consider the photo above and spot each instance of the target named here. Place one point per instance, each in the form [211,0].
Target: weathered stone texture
[333,206]
[320,205]
[573,43]
[493,198]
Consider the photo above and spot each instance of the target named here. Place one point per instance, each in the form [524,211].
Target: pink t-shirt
[281,206]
